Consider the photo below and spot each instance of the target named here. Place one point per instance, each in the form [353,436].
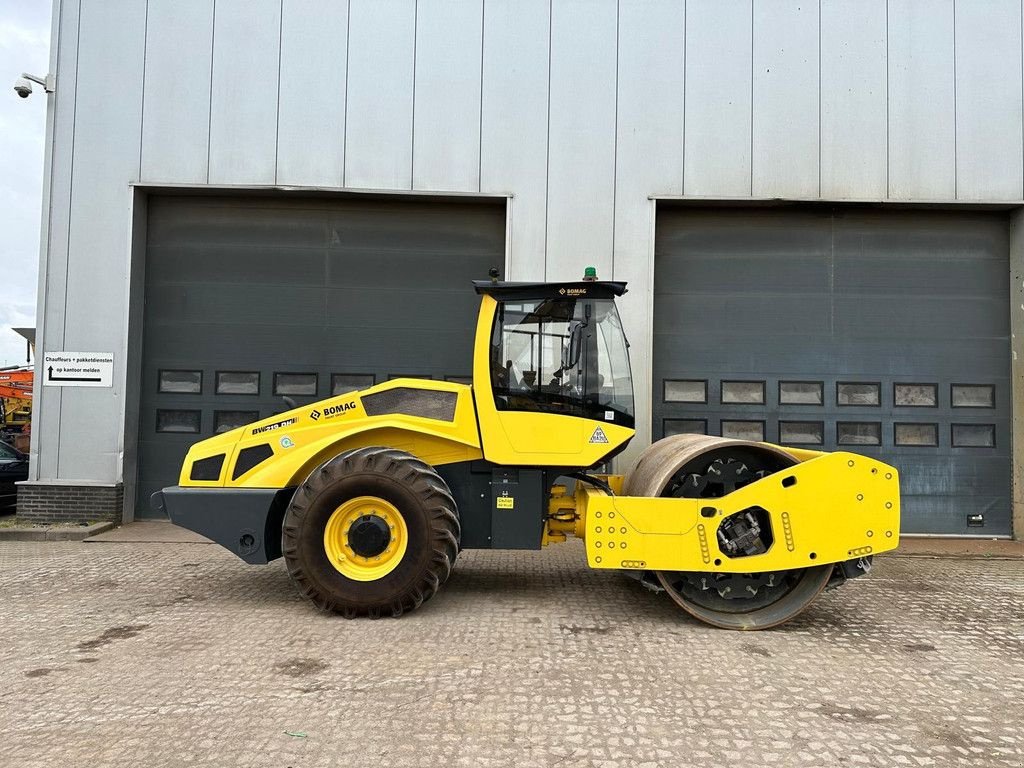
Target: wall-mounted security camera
[23,85]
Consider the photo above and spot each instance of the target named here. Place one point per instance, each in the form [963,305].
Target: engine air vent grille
[250,457]
[425,403]
[208,468]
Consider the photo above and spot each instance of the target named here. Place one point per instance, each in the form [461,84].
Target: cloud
[24,46]
[18,37]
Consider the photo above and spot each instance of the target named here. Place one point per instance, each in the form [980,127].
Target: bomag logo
[338,410]
[573,291]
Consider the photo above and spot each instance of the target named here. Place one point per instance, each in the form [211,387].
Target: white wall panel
[921,100]
[107,144]
[785,115]
[243,108]
[514,124]
[988,100]
[446,113]
[716,127]
[311,112]
[581,159]
[648,157]
[649,131]
[176,103]
[53,275]
[853,99]
[378,133]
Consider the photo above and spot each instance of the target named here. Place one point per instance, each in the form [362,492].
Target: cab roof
[597,289]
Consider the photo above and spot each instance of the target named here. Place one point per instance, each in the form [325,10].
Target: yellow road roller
[370,496]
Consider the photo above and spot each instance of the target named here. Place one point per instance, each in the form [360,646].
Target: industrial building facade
[816,205]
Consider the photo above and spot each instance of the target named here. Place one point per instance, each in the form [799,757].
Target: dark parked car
[13,467]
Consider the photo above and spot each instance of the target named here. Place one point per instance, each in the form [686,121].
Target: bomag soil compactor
[370,496]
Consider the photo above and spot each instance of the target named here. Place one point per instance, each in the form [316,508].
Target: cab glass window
[567,356]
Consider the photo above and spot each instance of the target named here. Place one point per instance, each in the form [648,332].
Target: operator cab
[555,350]
[562,355]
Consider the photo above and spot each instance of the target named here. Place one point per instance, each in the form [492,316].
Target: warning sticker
[599,436]
[506,502]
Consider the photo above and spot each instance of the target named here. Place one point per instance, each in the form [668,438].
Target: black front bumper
[246,521]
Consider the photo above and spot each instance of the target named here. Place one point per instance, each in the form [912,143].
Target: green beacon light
[590,275]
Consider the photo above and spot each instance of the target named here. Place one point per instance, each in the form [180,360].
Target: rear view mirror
[575,347]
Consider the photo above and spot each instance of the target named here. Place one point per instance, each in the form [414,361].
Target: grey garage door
[878,331]
[250,299]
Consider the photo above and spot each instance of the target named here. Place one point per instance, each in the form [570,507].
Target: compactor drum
[371,495]
[701,467]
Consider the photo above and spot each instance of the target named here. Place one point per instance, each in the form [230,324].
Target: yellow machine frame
[621,532]
[494,445]
[639,533]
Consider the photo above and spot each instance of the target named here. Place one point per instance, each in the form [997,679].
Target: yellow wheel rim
[365,538]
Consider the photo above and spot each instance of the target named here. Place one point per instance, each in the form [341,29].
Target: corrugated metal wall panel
[446,118]
[649,146]
[176,110]
[988,100]
[718,73]
[243,104]
[581,136]
[106,147]
[514,123]
[311,112]
[716,125]
[922,94]
[853,95]
[378,134]
[784,154]
[52,293]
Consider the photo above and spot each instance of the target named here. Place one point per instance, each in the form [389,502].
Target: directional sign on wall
[78,369]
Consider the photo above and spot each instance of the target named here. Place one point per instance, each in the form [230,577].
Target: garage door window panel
[973,396]
[802,432]
[859,393]
[859,433]
[302,384]
[743,392]
[743,429]
[225,421]
[916,434]
[177,382]
[801,393]
[343,383]
[685,391]
[178,420]
[974,435]
[684,427]
[915,395]
[238,383]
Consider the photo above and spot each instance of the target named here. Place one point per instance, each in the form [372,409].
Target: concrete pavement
[175,655]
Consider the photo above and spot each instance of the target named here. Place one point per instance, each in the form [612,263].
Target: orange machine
[15,399]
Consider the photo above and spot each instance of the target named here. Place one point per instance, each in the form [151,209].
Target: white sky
[24,47]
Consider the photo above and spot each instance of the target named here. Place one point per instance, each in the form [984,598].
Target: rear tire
[319,551]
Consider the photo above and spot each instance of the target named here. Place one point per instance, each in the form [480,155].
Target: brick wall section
[70,503]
